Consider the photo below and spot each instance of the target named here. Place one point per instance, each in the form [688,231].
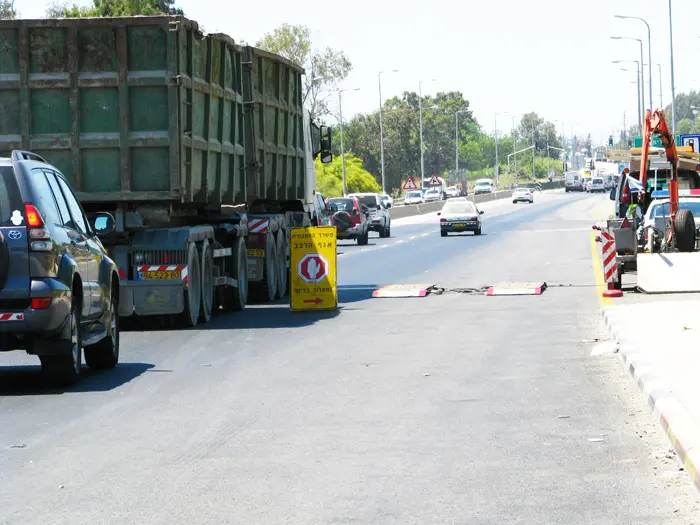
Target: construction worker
[634,210]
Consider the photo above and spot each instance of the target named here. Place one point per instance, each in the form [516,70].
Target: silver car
[460,215]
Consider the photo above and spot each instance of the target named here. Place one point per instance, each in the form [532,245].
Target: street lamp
[495,127]
[661,92]
[381,127]
[420,129]
[342,144]
[641,62]
[457,113]
[651,103]
[639,88]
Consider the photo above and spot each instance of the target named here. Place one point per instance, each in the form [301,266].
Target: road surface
[450,409]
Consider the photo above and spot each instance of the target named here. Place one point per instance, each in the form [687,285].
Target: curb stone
[676,421]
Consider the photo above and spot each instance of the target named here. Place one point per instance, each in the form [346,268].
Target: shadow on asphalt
[28,380]
[261,315]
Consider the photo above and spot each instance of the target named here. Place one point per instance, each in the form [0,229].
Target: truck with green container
[199,148]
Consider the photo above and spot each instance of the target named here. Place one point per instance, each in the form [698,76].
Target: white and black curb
[675,419]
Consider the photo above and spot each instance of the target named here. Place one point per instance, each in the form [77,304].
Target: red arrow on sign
[316,300]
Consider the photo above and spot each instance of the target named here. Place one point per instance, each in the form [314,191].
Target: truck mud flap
[151,297]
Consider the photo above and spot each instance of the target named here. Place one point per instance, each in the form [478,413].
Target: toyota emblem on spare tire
[14,234]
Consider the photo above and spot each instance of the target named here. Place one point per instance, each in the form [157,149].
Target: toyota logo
[14,234]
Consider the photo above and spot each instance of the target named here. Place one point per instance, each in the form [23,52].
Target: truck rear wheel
[281,264]
[685,231]
[193,292]
[207,283]
[234,299]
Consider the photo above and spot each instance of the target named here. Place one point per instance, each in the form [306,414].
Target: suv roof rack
[18,154]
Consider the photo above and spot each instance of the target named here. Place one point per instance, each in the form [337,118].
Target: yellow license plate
[459,224]
[253,252]
[160,276]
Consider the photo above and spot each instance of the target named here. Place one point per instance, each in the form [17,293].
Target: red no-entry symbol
[313,268]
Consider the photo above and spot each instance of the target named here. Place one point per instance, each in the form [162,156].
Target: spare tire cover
[4,261]
[341,220]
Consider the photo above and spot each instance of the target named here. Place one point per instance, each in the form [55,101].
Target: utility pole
[534,176]
[661,92]
[381,128]
[342,144]
[673,79]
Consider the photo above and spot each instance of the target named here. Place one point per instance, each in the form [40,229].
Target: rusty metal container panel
[274,140]
[129,109]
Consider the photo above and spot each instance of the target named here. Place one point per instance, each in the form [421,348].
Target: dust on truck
[200,148]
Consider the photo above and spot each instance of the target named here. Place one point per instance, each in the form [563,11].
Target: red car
[349,219]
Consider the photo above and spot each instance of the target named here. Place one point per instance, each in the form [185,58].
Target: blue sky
[549,56]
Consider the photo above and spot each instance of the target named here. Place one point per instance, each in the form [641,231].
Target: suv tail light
[40,239]
[625,194]
[41,303]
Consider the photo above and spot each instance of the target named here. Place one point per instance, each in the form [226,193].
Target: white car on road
[414,197]
[432,195]
[596,184]
[523,195]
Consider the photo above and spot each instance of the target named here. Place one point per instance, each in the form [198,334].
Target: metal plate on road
[403,290]
[313,265]
[516,288]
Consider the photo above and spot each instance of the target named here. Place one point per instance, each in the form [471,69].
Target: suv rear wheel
[105,353]
[64,368]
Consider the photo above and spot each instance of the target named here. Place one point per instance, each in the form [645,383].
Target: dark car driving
[58,288]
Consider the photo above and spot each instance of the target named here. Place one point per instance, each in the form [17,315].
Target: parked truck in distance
[199,148]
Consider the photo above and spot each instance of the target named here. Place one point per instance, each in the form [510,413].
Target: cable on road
[463,291]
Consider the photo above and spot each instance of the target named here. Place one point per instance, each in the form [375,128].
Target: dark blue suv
[58,287]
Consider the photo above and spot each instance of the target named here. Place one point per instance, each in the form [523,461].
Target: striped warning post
[609,264]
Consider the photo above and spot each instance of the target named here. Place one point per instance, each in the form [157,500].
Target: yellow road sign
[313,264]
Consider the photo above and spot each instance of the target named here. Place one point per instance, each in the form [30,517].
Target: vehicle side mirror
[439,213]
[325,135]
[388,205]
[104,223]
[481,212]
[612,194]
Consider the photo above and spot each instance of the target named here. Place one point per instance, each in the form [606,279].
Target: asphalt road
[439,410]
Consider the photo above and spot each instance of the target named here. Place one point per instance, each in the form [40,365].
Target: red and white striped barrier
[11,317]
[609,262]
[258,225]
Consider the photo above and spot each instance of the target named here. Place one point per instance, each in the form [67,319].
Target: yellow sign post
[313,264]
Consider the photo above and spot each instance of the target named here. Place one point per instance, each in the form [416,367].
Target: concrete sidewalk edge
[676,421]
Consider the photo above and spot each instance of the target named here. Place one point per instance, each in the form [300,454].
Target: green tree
[324,67]
[7,10]
[329,177]
[111,8]
[684,126]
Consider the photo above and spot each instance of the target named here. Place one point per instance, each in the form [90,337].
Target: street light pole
[661,91]
[381,128]
[641,62]
[651,99]
[420,126]
[639,89]
[673,80]
[457,139]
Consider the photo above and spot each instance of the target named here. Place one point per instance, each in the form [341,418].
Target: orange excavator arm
[656,125]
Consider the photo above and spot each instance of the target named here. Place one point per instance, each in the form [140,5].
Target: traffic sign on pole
[434,181]
[409,184]
[313,263]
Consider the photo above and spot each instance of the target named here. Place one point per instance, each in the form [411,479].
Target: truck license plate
[159,276]
[458,224]
[255,252]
